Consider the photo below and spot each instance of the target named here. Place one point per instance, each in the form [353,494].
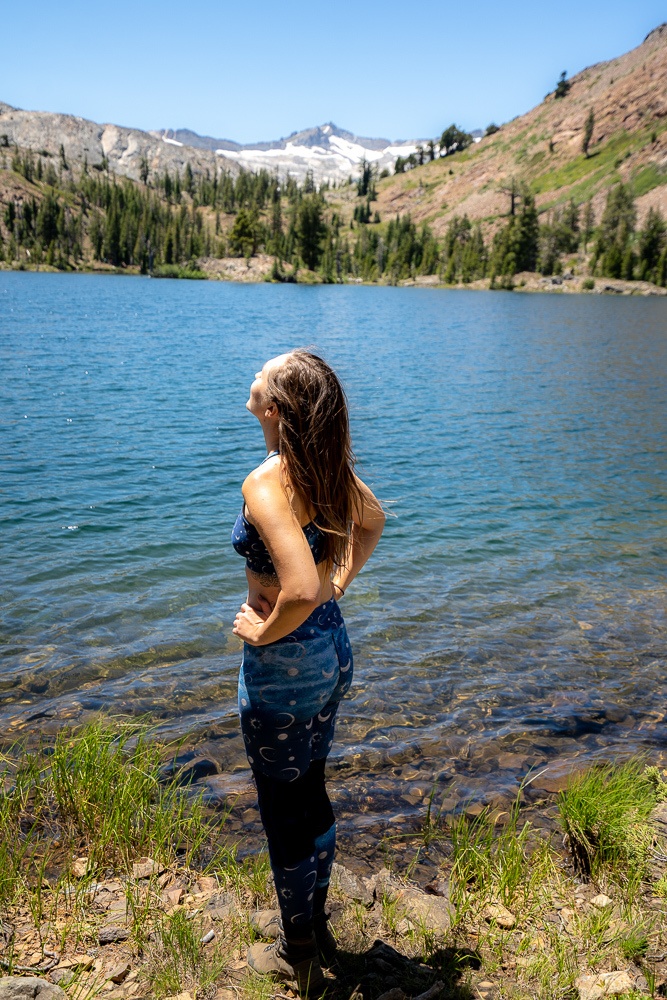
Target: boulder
[432,912]
[29,988]
[419,908]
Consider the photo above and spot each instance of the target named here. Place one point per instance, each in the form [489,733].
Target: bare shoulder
[263,485]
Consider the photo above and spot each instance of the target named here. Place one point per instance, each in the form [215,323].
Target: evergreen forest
[75,217]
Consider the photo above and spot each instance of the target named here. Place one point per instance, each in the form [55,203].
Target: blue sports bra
[247,542]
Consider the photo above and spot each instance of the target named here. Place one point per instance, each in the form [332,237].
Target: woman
[307,526]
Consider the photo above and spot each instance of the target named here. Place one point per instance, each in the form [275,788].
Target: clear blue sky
[259,70]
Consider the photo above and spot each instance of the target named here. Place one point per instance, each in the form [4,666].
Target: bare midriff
[269,588]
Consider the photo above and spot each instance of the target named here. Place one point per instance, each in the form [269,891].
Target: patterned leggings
[288,698]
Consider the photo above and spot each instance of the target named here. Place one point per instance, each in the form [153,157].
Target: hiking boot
[268,924]
[279,959]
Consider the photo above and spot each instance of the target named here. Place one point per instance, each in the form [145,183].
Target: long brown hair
[315,447]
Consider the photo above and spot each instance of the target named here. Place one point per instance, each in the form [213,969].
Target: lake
[513,617]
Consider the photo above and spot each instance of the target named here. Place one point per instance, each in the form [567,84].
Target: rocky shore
[260,269]
[116,880]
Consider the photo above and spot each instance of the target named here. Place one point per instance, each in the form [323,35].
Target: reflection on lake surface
[513,616]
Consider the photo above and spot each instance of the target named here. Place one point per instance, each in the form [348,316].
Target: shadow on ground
[382,968]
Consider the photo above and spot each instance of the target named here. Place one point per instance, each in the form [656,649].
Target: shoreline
[234,270]
[114,878]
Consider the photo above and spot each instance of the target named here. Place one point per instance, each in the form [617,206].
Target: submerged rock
[189,767]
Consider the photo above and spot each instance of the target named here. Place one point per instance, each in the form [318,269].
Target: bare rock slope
[123,148]
[628,96]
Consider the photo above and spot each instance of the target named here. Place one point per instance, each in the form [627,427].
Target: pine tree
[453,140]
[243,235]
[588,224]
[310,230]
[615,232]
[365,181]
[652,245]
[588,132]
[563,86]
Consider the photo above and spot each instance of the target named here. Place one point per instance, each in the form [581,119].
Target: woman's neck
[271,438]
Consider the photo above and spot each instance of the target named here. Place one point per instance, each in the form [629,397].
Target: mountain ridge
[84,140]
[326,151]
[543,149]
[312,136]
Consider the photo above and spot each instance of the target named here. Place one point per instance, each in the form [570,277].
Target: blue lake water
[513,616]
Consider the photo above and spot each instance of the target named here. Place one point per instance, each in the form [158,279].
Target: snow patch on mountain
[326,151]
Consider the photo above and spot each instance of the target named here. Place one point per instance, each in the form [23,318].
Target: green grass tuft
[179,961]
[509,864]
[96,792]
[603,812]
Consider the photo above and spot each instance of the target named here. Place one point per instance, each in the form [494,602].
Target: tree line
[169,220]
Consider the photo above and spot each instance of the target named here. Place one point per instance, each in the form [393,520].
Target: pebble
[207,883]
[145,867]
[119,972]
[113,933]
[601,901]
[84,962]
[63,977]
[80,867]
[172,897]
[500,915]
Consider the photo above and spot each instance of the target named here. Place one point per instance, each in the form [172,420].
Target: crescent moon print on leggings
[289,692]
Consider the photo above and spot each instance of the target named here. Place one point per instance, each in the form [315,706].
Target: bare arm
[367,528]
[290,553]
